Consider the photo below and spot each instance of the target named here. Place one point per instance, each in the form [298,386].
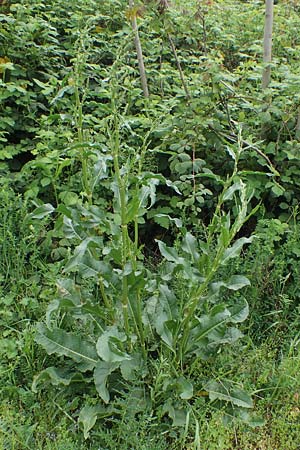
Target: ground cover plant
[149,230]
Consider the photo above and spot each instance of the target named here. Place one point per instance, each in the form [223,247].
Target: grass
[45,421]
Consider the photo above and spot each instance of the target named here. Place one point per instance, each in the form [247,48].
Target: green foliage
[271,266]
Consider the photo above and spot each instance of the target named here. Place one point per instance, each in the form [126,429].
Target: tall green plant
[137,317]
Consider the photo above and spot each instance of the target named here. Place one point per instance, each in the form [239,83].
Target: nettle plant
[116,323]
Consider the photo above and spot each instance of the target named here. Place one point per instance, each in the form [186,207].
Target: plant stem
[124,229]
[179,67]
[103,293]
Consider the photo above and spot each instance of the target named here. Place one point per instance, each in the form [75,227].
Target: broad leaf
[42,211]
[130,366]
[237,282]
[210,332]
[229,393]
[165,317]
[67,344]
[110,346]
[235,249]
[179,416]
[170,253]
[189,245]
[231,190]
[240,311]
[185,388]
[101,373]
[57,376]
[209,322]
[89,415]
[164,220]
[84,262]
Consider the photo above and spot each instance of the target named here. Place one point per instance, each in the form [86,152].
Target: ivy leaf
[67,344]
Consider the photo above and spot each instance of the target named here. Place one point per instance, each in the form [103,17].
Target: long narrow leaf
[67,344]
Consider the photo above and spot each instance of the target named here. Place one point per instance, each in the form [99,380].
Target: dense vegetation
[149,268]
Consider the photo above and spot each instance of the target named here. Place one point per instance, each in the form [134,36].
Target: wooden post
[138,48]
[267,58]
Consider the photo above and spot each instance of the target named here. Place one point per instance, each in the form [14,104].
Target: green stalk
[103,293]
[124,228]
[129,252]
[189,314]
[139,324]
[80,137]
[213,228]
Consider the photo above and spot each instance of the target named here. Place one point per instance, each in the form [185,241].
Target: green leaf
[61,93]
[69,198]
[89,415]
[170,254]
[164,220]
[218,315]
[229,393]
[228,194]
[237,282]
[277,190]
[56,376]
[67,344]
[130,366]
[211,332]
[240,311]
[231,152]
[167,331]
[42,211]
[84,262]
[185,388]
[70,229]
[101,373]
[179,416]
[110,346]
[189,245]
[235,249]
